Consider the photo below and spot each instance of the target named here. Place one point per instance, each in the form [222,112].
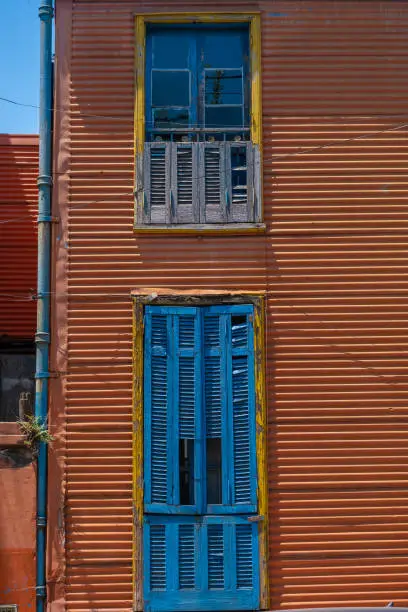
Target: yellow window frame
[254,21]
[168,298]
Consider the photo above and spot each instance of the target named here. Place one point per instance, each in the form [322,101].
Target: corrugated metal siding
[333,263]
[18,234]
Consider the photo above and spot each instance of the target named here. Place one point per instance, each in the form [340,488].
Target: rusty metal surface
[18,234]
[333,263]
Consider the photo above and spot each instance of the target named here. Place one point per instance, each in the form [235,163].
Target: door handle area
[256,519]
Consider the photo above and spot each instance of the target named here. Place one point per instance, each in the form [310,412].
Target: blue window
[200,473]
[197,77]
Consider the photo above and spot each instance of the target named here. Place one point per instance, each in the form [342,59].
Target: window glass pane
[170,118]
[186,469]
[239,195]
[171,49]
[223,87]
[214,471]
[16,380]
[228,47]
[223,116]
[170,88]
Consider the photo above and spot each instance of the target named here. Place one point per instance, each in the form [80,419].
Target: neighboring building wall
[333,264]
[18,274]
[18,235]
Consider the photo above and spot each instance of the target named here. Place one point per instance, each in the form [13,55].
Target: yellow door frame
[166,298]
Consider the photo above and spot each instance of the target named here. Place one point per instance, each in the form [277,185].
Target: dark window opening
[17,383]
[186,469]
[214,471]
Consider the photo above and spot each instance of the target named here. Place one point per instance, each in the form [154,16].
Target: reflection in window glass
[170,88]
[223,86]
[224,116]
[170,49]
[16,378]
[170,118]
[214,471]
[229,45]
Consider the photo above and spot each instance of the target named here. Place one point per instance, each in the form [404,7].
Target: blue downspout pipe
[42,337]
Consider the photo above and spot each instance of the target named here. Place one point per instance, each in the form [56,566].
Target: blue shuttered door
[200,544]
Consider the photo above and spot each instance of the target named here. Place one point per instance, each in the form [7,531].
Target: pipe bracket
[45,12]
[44,179]
[44,219]
[41,336]
[41,521]
[40,375]
[41,592]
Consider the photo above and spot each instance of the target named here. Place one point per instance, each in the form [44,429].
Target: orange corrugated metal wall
[334,266]
[18,235]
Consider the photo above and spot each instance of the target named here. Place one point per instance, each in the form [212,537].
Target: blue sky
[19,65]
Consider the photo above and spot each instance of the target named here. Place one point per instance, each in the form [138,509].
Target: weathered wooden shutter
[156,181]
[213,203]
[241,198]
[187,183]
[184,183]
[200,563]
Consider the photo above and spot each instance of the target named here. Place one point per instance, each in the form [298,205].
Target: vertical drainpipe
[42,337]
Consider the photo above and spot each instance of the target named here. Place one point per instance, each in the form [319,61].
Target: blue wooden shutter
[230,402]
[157,416]
[172,405]
[242,407]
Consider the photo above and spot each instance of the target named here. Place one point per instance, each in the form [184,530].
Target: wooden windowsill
[10,434]
[208,229]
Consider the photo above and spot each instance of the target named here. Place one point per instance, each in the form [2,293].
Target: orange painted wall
[18,281]
[18,234]
[17,535]
[333,264]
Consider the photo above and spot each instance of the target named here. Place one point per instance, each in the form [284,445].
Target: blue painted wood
[199,451]
[228,432]
[201,557]
[147,383]
[229,557]
[173,440]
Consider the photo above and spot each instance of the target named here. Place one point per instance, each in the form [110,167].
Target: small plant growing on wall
[35,432]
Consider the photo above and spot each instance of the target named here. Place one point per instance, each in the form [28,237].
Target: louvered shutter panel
[157,407]
[196,564]
[213,376]
[157,165]
[213,191]
[184,162]
[157,546]
[229,402]
[242,405]
[187,405]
